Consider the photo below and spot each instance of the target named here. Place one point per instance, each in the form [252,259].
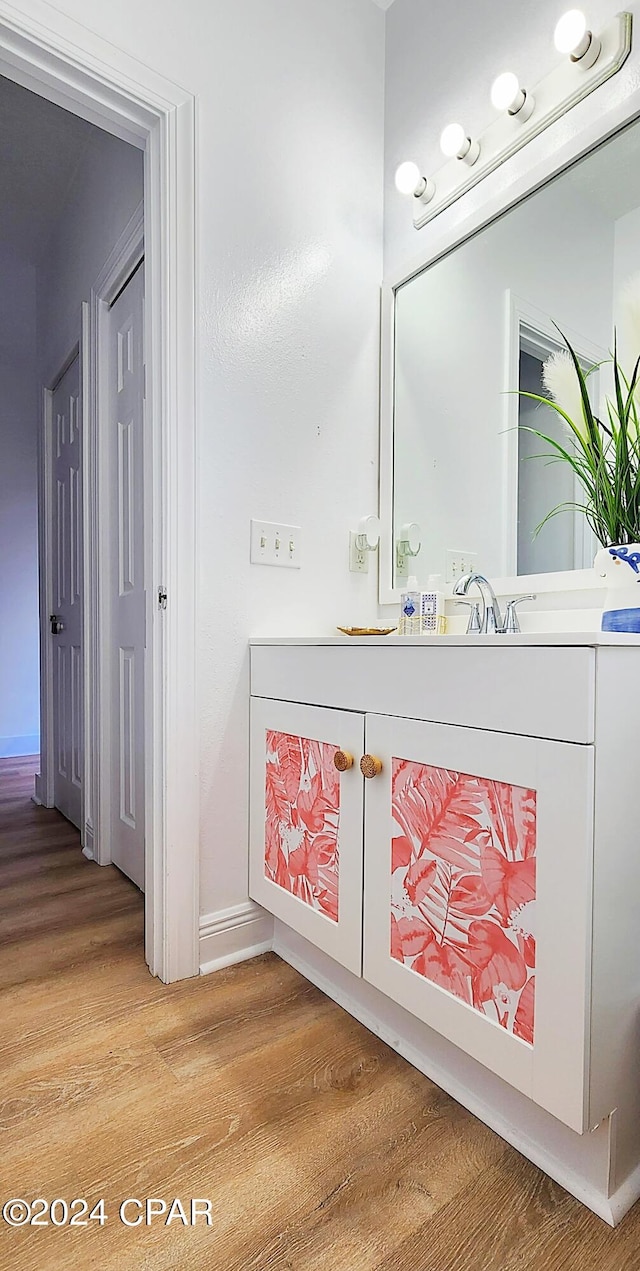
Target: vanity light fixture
[455,144]
[506,94]
[572,37]
[589,60]
[408,544]
[409,180]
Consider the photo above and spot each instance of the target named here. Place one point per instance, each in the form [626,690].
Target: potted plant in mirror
[604,454]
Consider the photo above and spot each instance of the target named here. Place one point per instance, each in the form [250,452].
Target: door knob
[57,625]
[343,760]
[370,766]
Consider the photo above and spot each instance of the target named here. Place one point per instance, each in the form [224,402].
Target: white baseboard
[233,935]
[624,1197]
[610,1208]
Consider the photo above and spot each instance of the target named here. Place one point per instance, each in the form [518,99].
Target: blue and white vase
[620,565]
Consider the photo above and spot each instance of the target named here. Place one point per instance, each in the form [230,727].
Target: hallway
[319,1148]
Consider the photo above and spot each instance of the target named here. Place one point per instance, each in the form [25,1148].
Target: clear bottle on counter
[410,607]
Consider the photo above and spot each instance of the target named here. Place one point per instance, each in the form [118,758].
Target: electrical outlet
[273,543]
[358,559]
[459,563]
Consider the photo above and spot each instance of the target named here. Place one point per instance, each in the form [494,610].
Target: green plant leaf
[604,454]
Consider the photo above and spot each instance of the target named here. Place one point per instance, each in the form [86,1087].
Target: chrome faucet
[491,617]
[491,620]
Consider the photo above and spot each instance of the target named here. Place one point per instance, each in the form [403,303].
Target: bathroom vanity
[474,897]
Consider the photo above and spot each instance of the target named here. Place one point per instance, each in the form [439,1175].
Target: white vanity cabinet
[486,879]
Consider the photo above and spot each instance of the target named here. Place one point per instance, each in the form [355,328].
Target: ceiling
[383,4]
[40,148]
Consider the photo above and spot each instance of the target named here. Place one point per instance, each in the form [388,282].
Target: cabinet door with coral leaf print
[306,823]
[478,864]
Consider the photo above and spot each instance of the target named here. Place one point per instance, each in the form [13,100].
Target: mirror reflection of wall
[565,541]
[461,468]
[541,487]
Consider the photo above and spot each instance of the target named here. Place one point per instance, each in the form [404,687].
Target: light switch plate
[273,543]
[459,563]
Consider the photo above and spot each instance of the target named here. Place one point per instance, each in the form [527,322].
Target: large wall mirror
[472,329]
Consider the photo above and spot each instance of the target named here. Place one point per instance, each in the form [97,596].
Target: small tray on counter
[366,631]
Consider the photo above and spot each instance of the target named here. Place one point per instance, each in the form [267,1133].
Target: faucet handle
[474,625]
[511,624]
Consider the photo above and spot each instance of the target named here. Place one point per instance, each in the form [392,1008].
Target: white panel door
[65,621]
[127,600]
[478,879]
[306,823]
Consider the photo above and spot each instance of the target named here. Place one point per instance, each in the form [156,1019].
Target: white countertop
[593,639]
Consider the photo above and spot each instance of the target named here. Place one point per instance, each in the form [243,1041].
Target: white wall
[440,63]
[626,268]
[107,188]
[289,236]
[19,671]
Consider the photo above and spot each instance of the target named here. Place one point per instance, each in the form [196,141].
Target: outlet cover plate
[358,559]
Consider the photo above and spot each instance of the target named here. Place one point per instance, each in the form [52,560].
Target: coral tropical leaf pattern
[302,817]
[463,888]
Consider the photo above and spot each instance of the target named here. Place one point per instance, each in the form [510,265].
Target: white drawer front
[536,692]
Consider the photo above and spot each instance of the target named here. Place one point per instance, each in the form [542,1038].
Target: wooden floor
[319,1148]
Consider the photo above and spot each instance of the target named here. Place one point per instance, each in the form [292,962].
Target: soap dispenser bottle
[410,617]
[432,607]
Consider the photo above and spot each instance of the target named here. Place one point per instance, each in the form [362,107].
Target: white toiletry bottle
[432,611]
[410,598]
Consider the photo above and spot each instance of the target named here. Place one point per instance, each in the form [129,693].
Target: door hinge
[162,597]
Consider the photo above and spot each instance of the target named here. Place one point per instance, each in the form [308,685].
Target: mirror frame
[460,228]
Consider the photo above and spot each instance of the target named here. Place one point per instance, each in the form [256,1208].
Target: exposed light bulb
[408,177]
[409,180]
[452,140]
[506,94]
[572,37]
[455,144]
[570,31]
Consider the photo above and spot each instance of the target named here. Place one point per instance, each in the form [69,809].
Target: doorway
[128,101]
[65,586]
[534,483]
[94,619]
[546,544]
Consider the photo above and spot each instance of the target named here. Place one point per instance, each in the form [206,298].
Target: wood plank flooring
[319,1148]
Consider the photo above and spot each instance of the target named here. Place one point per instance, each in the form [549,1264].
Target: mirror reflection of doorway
[564,542]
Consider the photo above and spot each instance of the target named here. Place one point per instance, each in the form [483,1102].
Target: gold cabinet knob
[370,766]
[343,760]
